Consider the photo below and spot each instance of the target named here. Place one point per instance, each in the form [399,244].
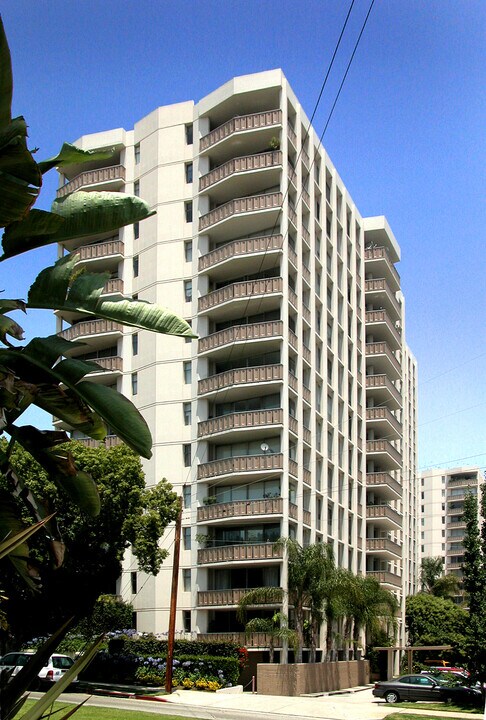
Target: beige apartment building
[294,413]
[442,494]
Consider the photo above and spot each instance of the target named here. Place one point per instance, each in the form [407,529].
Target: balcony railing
[375,480]
[240,508]
[246,163]
[292,134]
[238,248]
[385,577]
[378,414]
[378,512]
[255,640]
[100,250]
[223,597]
[92,177]
[377,349]
[245,464]
[379,319]
[240,421]
[113,287]
[241,334]
[109,442]
[239,291]
[381,382]
[112,364]
[254,203]
[382,545]
[254,121]
[380,285]
[238,553]
[241,376]
[91,327]
[381,253]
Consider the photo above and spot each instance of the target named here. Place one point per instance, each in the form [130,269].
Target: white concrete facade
[269,424]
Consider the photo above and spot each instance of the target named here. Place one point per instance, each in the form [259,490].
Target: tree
[109,613]
[474,574]
[433,620]
[130,514]
[431,569]
[369,606]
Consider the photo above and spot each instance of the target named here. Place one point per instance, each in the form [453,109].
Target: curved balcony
[384,516]
[108,178]
[379,292]
[384,485]
[217,598]
[98,332]
[246,255]
[379,264]
[382,420]
[241,125]
[239,337]
[244,215]
[383,454]
[109,442]
[100,256]
[383,329]
[247,425]
[381,357]
[241,467]
[386,578]
[110,369]
[383,548]
[114,286]
[239,509]
[242,175]
[239,554]
[383,391]
[240,380]
[261,292]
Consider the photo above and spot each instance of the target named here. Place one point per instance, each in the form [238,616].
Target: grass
[91,712]
[406,716]
[442,707]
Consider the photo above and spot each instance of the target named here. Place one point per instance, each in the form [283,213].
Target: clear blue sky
[407,137]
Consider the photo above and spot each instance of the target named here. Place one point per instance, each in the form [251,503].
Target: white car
[52,671]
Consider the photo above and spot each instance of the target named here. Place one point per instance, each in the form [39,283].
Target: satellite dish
[264,447]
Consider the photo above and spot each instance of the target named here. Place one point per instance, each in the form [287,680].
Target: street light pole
[173,600]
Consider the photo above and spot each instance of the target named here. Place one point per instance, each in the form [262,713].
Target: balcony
[247,255]
[381,357]
[100,256]
[247,293]
[239,125]
[114,286]
[239,553]
[386,578]
[248,425]
[242,175]
[241,467]
[240,380]
[383,548]
[109,178]
[379,264]
[268,334]
[384,516]
[255,640]
[216,598]
[383,454]
[240,509]
[244,215]
[96,331]
[379,292]
[109,442]
[110,369]
[383,329]
[382,420]
[384,485]
[383,391]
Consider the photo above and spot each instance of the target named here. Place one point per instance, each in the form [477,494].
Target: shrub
[151,645]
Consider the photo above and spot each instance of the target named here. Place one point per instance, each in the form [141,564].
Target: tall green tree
[431,569]
[370,607]
[434,620]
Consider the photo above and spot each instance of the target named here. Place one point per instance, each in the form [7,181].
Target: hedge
[150,645]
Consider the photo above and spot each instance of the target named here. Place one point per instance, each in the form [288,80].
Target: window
[136,264]
[186,454]
[133,582]
[186,495]
[186,538]
[188,211]
[136,230]
[189,134]
[134,383]
[188,290]
[187,412]
[135,344]
[188,251]
[188,172]
[186,580]
[187,366]
[136,188]
[186,619]
[136,152]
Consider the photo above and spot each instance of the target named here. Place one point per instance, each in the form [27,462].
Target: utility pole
[173,600]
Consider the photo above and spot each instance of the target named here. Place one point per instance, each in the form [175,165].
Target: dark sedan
[426,687]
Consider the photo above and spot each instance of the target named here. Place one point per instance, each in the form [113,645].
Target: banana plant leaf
[9,305]
[70,154]
[10,543]
[11,525]
[8,326]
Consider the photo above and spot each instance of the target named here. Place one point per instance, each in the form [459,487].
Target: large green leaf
[13,541]
[30,231]
[9,305]
[6,81]
[66,405]
[8,326]
[11,524]
[70,154]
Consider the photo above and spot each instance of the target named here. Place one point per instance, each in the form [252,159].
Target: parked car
[52,671]
[426,687]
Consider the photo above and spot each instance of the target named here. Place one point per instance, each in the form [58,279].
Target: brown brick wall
[306,678]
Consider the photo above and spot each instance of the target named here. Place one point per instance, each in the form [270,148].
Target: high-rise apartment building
[294,412]
[442,494]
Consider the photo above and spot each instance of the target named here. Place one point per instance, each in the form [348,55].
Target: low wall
[306,678]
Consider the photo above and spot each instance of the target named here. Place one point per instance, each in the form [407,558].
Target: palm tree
[431,569]
[275,628]
[369,606]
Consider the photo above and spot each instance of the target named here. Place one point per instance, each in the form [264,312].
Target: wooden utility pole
[173,600]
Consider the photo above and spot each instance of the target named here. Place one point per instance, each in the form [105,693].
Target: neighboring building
[294,413]
[441,506]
